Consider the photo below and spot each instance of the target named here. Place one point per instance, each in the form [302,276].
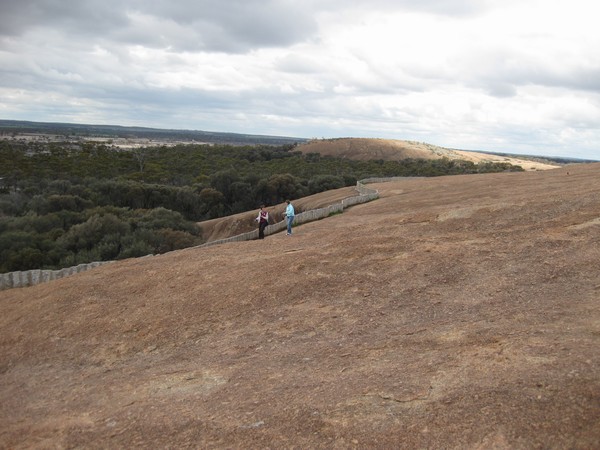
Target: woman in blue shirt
[289,215]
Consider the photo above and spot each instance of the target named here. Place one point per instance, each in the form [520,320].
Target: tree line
[63,204]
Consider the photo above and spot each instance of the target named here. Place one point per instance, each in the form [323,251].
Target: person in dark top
[263,221]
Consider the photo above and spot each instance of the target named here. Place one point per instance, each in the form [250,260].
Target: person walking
[263,221]
[289,215]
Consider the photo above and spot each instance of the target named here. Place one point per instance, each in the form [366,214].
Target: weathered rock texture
[454,312]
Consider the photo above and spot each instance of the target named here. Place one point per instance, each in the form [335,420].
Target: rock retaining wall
[31,277]
[365,194]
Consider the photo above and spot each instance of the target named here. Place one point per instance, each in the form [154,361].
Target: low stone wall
[384,180]
[365,194]
[32,277]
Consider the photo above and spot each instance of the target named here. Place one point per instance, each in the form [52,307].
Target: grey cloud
[233,26]
[439,7]
[505,82]
[201,25]
[501,89]
[300,63]
[72,16]
[501,71]
[251,22]
[379,81]
[197,25]
[585,79]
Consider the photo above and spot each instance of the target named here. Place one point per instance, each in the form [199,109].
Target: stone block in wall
[35,277]
[15,279]
[46,276]
[4,282]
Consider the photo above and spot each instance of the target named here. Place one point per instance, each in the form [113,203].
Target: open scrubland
[453,312]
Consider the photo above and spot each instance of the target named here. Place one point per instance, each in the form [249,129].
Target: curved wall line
[365,195]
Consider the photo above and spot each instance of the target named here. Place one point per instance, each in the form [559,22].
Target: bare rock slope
[454,312]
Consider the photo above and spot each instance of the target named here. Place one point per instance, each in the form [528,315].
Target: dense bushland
[71,203]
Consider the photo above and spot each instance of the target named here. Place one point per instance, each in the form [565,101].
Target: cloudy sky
[518,76]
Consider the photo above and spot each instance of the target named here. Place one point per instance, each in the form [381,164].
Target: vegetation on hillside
[63,204]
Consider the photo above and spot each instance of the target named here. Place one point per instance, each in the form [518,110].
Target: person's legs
[261,230]
[289,224]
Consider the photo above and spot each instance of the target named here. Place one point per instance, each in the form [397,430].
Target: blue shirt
[289,211]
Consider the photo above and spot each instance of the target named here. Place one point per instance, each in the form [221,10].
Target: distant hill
[352,148]
[391,150]
[114,131]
